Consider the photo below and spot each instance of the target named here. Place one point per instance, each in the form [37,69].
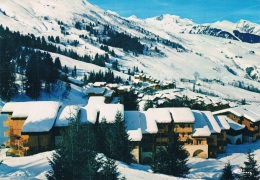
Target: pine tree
[129,100]
[57,63]
[76,156]
[108,170]
[148,104]
[227,173]
[171,159]
[114,140]
[250,169]
[7,72]
[33,84]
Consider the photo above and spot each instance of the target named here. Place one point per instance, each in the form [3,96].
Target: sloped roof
[40,115]
[148,125]
[68,113]
[133,126]
[235,126]
[222,122]
[182,115]
[251,112]
[160,115]
[200,127]
[211,122]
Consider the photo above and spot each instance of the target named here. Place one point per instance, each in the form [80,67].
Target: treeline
[100,76]
[124,41]
[18,40]
[113,38]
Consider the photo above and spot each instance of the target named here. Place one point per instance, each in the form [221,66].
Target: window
[199,142]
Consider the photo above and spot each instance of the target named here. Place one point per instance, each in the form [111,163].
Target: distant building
[248,115]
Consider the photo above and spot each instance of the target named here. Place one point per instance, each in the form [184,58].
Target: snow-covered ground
[36,166]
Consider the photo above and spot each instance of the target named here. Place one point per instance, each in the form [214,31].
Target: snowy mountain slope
[213,57]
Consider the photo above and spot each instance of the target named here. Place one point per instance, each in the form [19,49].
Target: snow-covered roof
[182,115]
[251,112]
[96,90]
[68,113]
[160,115]
[222,122]
[109,111]
[133,127]
[233,125]
[148,125]
[200,127]
[109,93]
[99,84]
[211,122]
[93,107]
[40,115]
[115,85]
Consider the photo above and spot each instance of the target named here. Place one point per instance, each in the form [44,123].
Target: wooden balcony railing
[7,133]
[6,123]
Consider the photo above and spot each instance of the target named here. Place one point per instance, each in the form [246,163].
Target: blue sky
[200,11]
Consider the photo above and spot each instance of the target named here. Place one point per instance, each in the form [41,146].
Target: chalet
[248,115]
[101,91]
[154,125]
[235,133]
[30,126]
[99,84]
[95,91]
[222,137]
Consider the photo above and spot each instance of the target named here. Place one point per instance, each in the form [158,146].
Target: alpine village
[99,96]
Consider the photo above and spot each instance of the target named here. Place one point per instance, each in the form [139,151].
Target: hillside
[174,48]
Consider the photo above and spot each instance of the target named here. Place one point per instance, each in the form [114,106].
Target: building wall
[40,142]
[200,151]
[235,139]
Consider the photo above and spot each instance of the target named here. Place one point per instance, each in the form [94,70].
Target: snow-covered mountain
[175,47]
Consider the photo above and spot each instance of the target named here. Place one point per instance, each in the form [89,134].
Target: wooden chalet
[235,133]
[30,126]
[101,91]
[248,115]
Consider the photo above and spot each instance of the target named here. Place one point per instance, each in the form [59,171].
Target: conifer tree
[129,100]
[33,84]
[109,170]
[115,140]
[171,159]
[7,72]
[251,169]
[227,173]
[76,156]
[57,63]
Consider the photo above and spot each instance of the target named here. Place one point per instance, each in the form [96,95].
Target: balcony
[7,133]
[6,123]
[183,130]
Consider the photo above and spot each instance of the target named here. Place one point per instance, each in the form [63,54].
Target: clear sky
[200,11]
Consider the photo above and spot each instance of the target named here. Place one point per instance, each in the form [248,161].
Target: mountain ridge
[162,57]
